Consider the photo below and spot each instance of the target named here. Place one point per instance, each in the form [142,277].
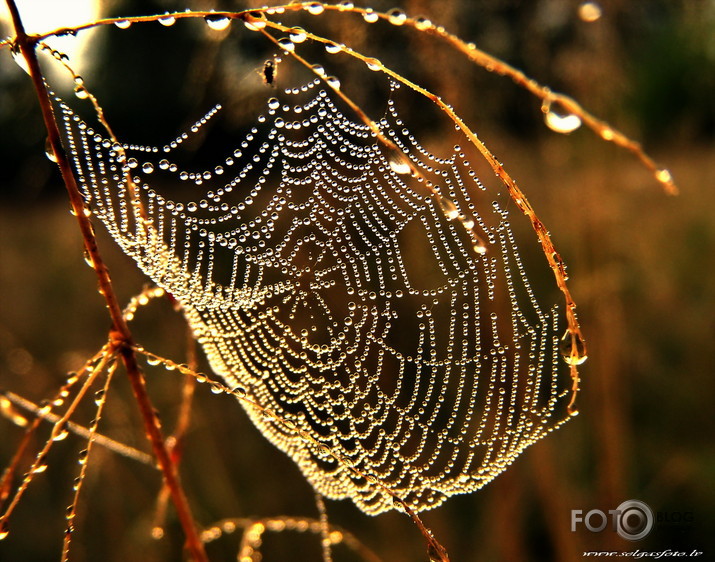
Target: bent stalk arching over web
[370,299]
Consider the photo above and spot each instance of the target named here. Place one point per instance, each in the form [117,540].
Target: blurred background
[642,268]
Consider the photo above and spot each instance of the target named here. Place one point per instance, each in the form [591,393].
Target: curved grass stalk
[120,336]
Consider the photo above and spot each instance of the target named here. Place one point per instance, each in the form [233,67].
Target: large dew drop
[560,123]
[167,21]
[218,22]
[573,348]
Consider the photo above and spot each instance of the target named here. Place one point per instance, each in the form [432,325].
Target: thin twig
[121,337]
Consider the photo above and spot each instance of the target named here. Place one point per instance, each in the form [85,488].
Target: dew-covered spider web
[367,291]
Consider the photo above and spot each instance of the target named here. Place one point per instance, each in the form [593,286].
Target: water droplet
[315,8]
[664,176]
[345,5]
[39,468]
[286,44]
[167,20]
[88,258]
[373,64]
[254,21]
[573,348]
[164,164]
[590,11]
[560,123]
[333,48]
[99,397]
[218,22]
[370,16]
[81,92]
[239,392]
[82,458]
[422,23]
[399,163]
[60,432]
[396,16]
[123,24]
[157,533]
[298,35]
[449,208]
[333,82]
[319,70]
[4,531]
[49,152]
[148,167]
[273,103]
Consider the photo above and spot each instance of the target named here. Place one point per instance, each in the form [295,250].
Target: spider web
[371,298]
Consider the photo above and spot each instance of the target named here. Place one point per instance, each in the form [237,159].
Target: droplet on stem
[333,48]
[88,259]
[49,152]
[664,176]
[81,92]
[254,21]
[60,432]
[315,8]
[373,64]
[370,16]
[422,23]
[123,24]
[286,44]
[218,22]
[560,123]
[298,35]
[167,20]
[573,348]
[396,16]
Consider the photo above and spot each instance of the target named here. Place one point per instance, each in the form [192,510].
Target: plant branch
[121,337]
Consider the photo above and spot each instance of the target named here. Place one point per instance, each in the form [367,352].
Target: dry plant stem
[41,414]
[7,477]
[175,442]
[77,429]
[72,510]
[479,57]
[121,337]
[436,551]
[39,458]
[493,64]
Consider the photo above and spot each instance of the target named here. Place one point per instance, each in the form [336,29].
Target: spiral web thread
[369,296]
